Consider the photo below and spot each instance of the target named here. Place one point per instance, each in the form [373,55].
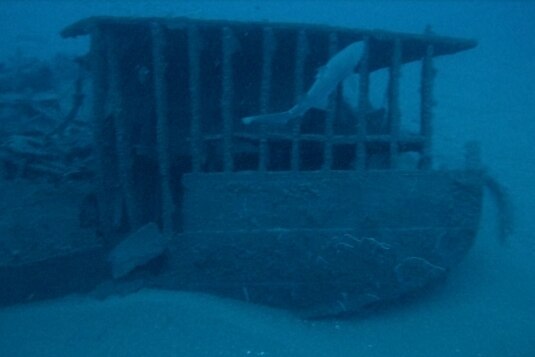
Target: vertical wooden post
[227,96]
[195,97]
[123,140]
[426,107]
[393,102]
[268,51]
[162,126]
[103,134]
[301,53]
[363,106]
[331,112]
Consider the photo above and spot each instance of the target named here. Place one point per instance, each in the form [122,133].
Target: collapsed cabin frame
[168,96]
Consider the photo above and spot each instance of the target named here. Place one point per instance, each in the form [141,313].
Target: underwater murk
[266,178]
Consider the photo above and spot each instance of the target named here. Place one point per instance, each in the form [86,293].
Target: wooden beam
[159,44]
[426,107]
[394,113]
[123,137]
[194,72]
[103,134]
[268,51]
[227,96]
[363,106]
[301,53]
[331,111]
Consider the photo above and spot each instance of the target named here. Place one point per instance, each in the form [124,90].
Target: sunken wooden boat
[332,213]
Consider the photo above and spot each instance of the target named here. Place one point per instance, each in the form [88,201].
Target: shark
[339,67]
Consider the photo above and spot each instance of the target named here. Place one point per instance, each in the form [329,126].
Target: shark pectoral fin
[275,118]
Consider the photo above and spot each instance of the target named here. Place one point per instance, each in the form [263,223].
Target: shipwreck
[334,211]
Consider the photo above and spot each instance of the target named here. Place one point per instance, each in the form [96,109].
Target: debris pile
[38,137]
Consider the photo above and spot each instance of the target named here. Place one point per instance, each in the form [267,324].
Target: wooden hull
[337,240]
[325,243]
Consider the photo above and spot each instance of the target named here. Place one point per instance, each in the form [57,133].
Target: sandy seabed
[486,309]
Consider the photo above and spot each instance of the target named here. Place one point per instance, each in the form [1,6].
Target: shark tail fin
[274,118]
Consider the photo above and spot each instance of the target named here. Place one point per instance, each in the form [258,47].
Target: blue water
[488,306]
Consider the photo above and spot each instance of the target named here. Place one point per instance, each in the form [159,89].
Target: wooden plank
[444,45]
[312,200]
